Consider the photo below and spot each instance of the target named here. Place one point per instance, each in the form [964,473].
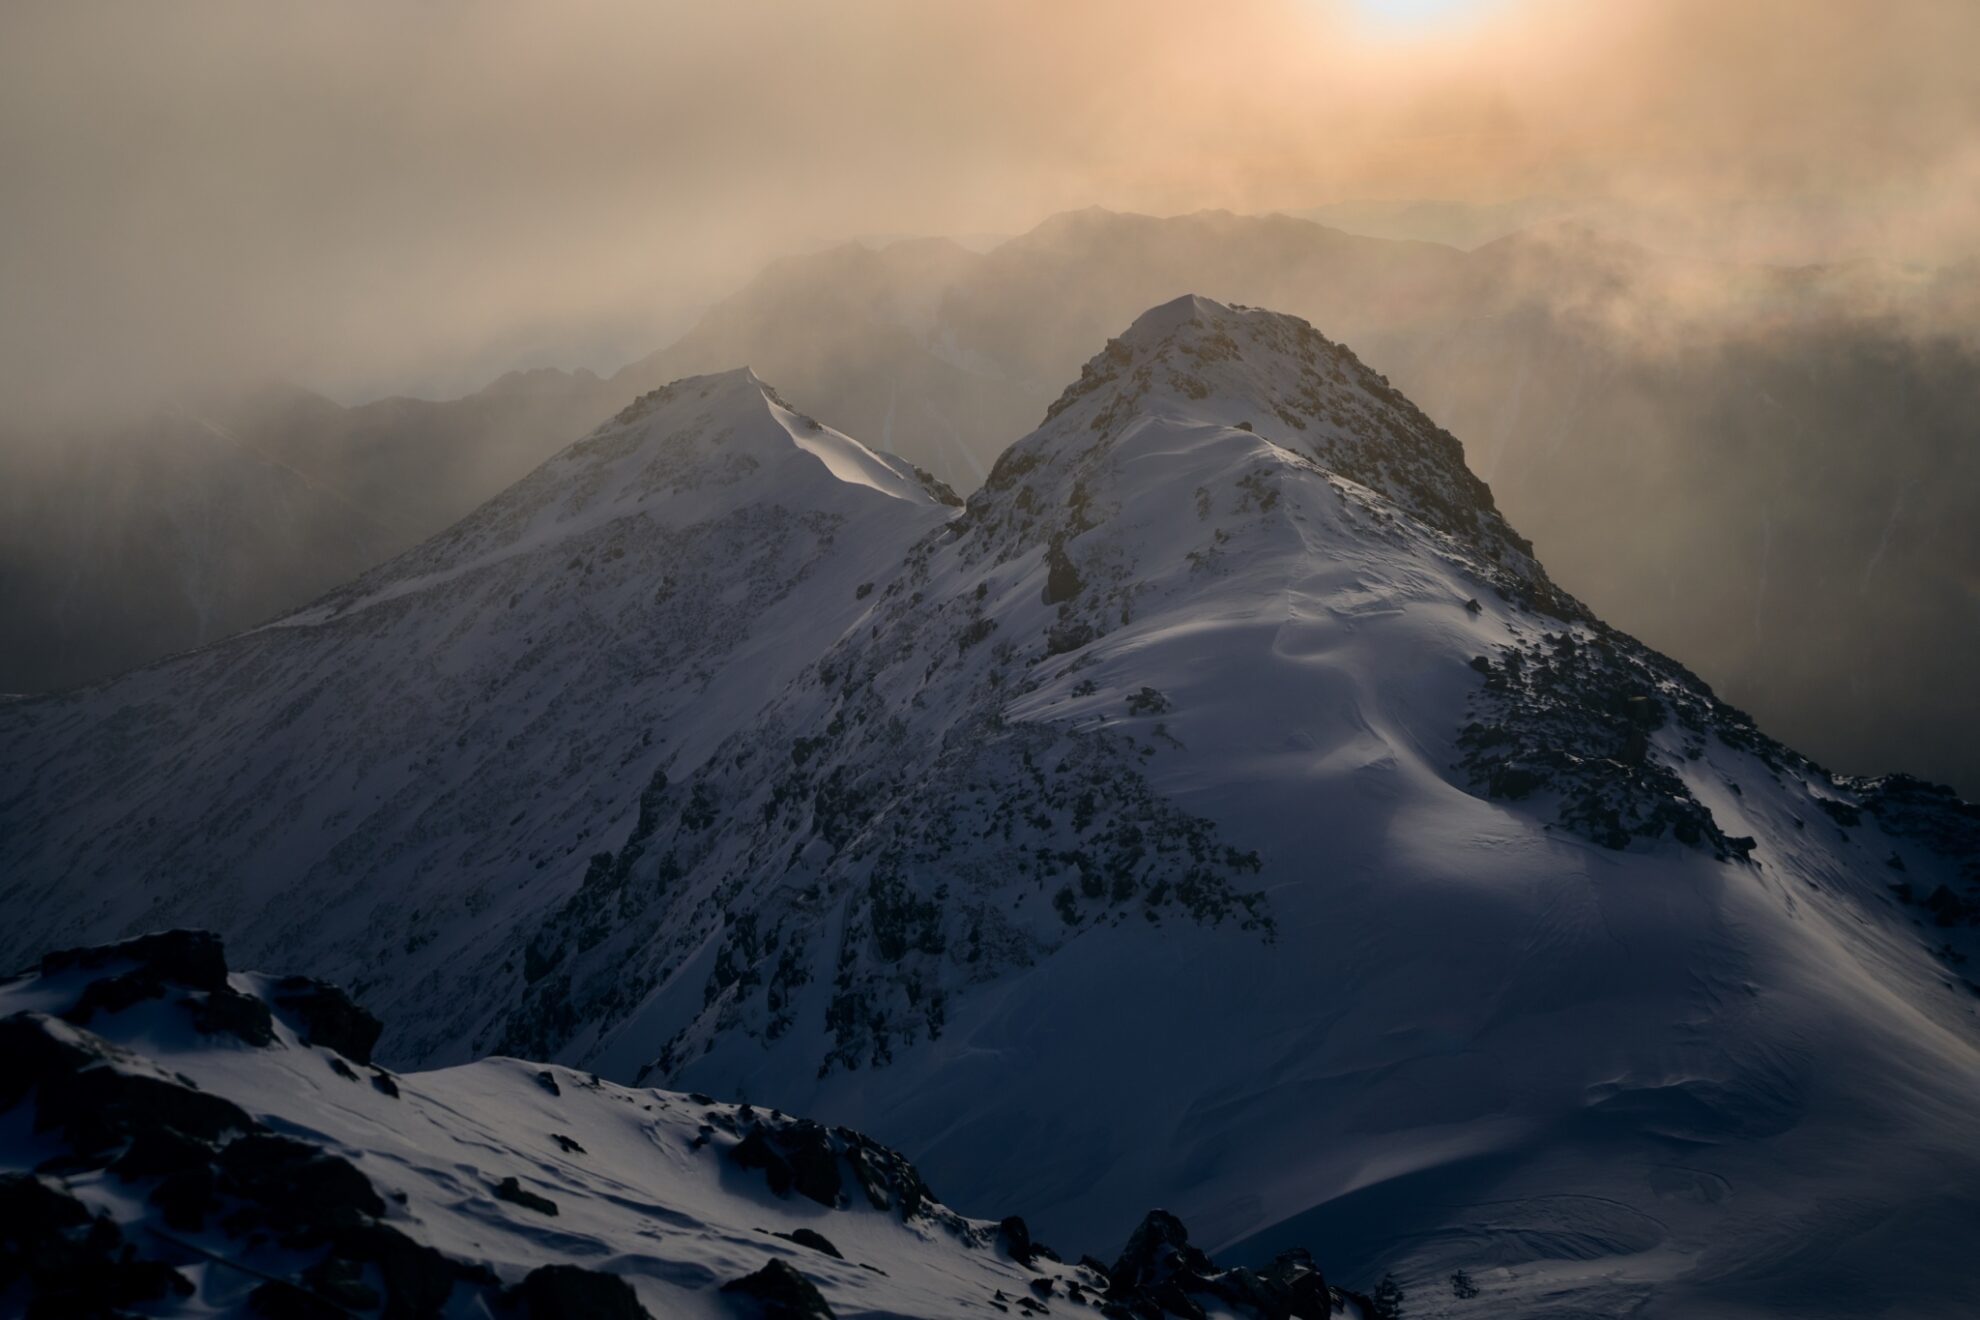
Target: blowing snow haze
[1312,650]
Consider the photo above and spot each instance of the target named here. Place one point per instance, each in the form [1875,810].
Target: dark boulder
[778,1292]
[296,1185]
[1157,1249]
[59,1261]
[227,1012]
[418,1279]
[516,1194]
[186,1198]
[1062,580]
[191,958]
[806,1237]
[814,1163]
[156,1152]
[95,1105]
[554,1292]
[1015,1236]
[326,1017]
[279,1300]
[754,1151]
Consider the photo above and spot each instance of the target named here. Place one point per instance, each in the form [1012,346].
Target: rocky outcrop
[146,1188]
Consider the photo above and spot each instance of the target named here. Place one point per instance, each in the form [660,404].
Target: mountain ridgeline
[1221,808]
[1765,471]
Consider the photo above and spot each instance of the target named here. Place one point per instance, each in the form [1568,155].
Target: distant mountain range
[1455,224]
[1766,471]
[1222,808]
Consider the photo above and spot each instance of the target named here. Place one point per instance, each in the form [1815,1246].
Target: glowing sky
[1422,13]
[374,194]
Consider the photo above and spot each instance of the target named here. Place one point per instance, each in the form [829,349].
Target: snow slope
[1183,822]
[1224,810]
[255,1161]
[381,782]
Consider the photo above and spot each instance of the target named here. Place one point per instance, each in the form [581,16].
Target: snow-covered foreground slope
[1223,811]
[178,1140]
[380,784]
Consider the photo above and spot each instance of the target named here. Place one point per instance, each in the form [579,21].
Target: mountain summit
[399,772]
[1223,809]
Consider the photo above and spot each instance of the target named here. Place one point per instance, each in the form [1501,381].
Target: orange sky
[361,194]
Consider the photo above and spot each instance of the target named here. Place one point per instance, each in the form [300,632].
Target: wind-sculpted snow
[185,1141]
[1222,810]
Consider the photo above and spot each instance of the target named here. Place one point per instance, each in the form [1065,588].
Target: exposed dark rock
[95,1105]
[562,1292]
[228,1012]
[64,1262]
[814,1163]
[192,958]
[187,1197]
[207,1166]
[1573,714]
[1062,580]
[279,1300]
[29,1206]
[340,1279]
[754,1151]
[298,1185]
[1158,1248]
[418,1279]
[1160,1274]
[1016,1237]
[511,1190]
[327,1017]
[156,1152]
[778,1292]
[817,1241]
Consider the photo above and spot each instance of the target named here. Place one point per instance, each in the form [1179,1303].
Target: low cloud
[372,196]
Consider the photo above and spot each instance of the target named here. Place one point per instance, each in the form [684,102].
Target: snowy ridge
[1223,810]
[215,1144]
[1186,764]
[355,765]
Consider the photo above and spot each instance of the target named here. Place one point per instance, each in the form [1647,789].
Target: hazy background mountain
[1766,471]
[376,200]
[1455,224]
[127,541]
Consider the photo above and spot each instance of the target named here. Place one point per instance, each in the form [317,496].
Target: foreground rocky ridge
[182,1140]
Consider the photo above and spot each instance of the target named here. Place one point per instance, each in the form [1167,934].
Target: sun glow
[1419,14]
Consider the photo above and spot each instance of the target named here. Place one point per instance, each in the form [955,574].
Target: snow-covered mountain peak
[685,455]
[705,433]
[1223,811]
[1194,371]
[1165,319]
[633,600]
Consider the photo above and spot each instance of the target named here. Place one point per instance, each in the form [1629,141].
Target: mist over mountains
[1318,651]
[1766,471]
